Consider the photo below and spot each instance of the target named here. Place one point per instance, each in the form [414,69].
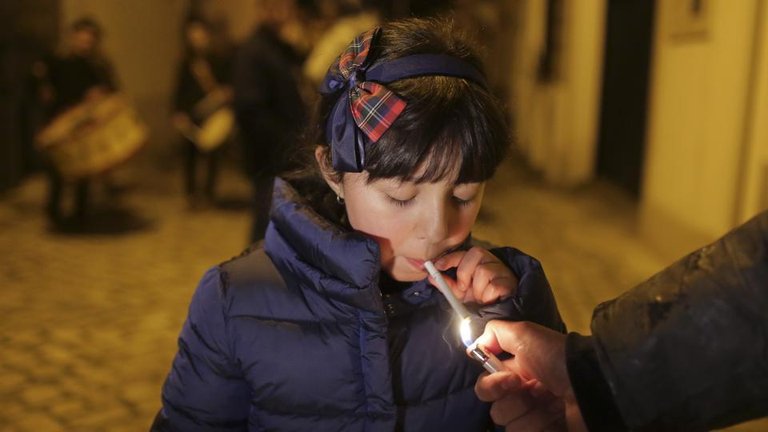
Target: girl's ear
[329,174]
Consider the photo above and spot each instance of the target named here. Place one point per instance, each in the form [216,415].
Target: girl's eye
[400,202]
[463,202]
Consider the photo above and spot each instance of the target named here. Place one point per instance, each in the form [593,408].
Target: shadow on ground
[105,221]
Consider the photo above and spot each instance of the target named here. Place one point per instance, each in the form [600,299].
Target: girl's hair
[446,119]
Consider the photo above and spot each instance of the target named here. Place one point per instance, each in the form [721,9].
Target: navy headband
[417,65]
[368,108]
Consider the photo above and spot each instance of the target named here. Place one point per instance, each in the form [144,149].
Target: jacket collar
[346,255]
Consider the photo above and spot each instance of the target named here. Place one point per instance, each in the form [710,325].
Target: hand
[181,121]
[227,95]
[480,276]
[539,358]
[519,405]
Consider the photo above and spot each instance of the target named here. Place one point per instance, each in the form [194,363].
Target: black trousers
[210,161]
[56,189]
[261,204]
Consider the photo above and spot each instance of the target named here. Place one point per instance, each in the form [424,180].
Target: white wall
[556,123]
[697,126]
[754,186]
[143,39]
[706,165]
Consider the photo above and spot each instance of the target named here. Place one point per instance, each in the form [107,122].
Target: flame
[466,332]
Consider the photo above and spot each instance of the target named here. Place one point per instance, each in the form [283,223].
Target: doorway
[28,31]
[624,98]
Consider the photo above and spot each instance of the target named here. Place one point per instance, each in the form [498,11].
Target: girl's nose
[434,222]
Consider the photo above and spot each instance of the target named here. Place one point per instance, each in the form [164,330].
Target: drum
[215,130]
[215,118]
[93,137]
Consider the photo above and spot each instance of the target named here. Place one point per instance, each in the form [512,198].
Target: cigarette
[457,306]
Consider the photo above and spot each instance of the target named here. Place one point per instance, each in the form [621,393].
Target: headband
[369,108]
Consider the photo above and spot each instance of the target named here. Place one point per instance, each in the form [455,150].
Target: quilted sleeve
[533,300]
[204,390]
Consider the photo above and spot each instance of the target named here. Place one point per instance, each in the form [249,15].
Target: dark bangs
[448,122]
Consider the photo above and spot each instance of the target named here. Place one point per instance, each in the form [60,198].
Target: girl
[331,323]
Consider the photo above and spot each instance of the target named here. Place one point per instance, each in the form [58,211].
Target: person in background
[202,87]
[683,351]
[269,110]
[81,73]
[331,323]
[353,18]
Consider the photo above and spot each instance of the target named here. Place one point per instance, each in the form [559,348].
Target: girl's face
[411,222]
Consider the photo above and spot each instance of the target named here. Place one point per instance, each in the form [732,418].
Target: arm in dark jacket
[204,390]
[687,349]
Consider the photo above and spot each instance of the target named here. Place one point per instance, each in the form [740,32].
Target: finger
[537,389]
[500,336]
[512,407]
[491,281]
[465,271]
[452,284]
[539,352]
[573,418]
[481,278]
[538,419]
[491,387]
[450,260]
[499,274]
[518,336]
[559,425]
[505,281]
[498,288]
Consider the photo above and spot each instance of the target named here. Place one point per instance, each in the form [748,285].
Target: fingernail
[439,263]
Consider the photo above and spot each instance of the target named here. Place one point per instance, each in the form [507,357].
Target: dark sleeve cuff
[598,408]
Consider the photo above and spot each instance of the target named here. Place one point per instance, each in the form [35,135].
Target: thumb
[503,336]
[539,352]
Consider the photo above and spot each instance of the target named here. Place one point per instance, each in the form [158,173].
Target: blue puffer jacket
[299,336]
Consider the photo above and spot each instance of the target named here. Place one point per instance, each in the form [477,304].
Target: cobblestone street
[88,321]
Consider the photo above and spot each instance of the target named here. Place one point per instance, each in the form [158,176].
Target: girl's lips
[418,264]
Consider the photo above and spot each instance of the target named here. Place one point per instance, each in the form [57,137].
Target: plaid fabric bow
[368,108]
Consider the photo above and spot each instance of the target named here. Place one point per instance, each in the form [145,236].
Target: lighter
[490,362]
